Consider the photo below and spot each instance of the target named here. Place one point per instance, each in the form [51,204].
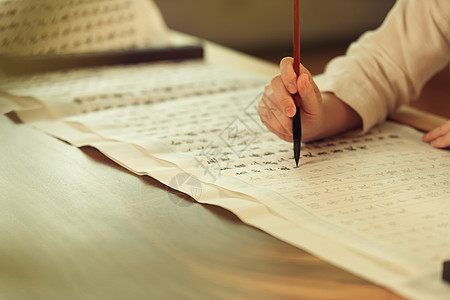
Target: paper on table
[381,199]
[36,27]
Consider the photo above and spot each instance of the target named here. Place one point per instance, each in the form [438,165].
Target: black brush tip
[297,151]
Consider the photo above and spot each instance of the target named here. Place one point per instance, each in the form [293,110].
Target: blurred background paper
[30,27]
[48,35]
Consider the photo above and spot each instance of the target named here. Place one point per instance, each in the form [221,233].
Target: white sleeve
[389,66]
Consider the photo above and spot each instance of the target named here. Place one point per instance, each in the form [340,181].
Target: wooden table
[74,225]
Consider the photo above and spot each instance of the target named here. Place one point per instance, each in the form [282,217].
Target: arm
[389,66]
[381,71]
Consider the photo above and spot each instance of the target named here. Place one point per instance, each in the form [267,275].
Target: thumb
[310,95]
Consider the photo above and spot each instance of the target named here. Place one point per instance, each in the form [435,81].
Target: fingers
[304,85]
[281,99]
[276,107]
[441,142]
[281,135]
[439,137]
[288,75]
[271,112]
[273,124]
[437,132]
[311,99]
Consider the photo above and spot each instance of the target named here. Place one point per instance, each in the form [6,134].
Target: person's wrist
[340,117]
[335,117]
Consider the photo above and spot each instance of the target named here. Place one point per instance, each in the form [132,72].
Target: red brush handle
[297,45]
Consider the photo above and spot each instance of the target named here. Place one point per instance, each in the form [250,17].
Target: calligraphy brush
[296,125]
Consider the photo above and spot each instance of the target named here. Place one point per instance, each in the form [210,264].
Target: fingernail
[290,111]
[306,82]
[292,88]
[304,85]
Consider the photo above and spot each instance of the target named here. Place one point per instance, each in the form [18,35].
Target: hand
[322,114]
[276,107]
[439,137]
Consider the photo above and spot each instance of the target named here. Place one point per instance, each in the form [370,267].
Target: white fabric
[389,66]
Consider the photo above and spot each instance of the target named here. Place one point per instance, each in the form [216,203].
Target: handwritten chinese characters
[384,194]
[30,27]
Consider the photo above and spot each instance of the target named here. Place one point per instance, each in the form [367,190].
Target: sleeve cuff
[355,95]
